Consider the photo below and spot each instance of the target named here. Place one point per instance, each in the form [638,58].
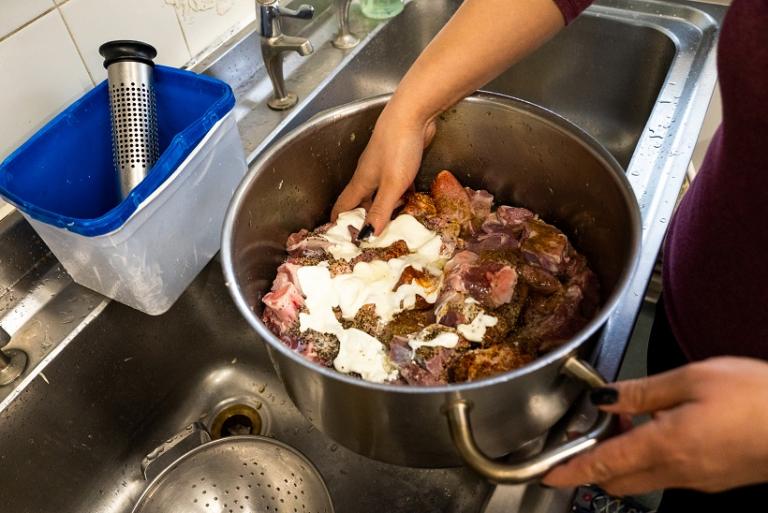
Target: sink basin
[106,386]
[602,74]
[131,381]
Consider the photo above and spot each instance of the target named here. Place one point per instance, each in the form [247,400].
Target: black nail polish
[365,232]
[603,396]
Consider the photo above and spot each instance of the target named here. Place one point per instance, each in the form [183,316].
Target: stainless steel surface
[119,388]
[527,156]
[110,378]
[12,361]
[583,371]
[532,467]
[274,44]
[40,306]
[344,38]
[134,121]
[22,250]
[250,474]
[191,437]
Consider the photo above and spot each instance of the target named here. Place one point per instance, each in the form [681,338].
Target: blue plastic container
[64,174]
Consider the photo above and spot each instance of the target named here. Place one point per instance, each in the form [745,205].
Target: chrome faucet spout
[274,44]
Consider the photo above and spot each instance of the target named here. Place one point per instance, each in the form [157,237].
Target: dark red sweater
[716,252]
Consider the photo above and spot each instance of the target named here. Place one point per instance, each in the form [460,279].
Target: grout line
[183,35]
[74,42]
[27,24]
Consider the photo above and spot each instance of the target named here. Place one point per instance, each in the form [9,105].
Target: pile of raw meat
[505,288]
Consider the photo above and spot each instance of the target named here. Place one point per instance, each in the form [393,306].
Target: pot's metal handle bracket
[538,465]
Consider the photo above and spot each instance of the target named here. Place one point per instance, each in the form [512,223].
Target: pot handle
[538,465]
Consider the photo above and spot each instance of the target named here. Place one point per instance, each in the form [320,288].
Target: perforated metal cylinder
[134,121]
[133,109]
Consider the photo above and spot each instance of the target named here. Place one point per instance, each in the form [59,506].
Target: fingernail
[365,232]
[604,396]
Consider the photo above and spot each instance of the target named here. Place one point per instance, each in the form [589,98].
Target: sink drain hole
[237,425]
[236,419]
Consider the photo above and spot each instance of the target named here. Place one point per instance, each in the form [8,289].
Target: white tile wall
[49,49]
[40,74]
[208,23]
[17,13]
[92,22]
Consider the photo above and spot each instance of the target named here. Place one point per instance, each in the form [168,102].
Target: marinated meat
[451,199]
[284,301]
[484,362]
[464,292]
[395,250]
[421,206]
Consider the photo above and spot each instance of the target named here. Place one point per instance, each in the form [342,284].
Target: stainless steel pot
[521,153]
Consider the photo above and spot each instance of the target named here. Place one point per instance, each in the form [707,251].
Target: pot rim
[509,102]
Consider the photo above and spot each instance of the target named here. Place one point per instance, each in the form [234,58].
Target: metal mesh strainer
[239,474]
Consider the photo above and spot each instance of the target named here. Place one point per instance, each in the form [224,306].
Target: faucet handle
[270,12]
[304,12]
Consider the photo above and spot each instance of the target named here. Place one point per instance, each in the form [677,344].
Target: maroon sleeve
[572,8]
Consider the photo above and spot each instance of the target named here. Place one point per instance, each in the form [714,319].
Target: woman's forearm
[482,39]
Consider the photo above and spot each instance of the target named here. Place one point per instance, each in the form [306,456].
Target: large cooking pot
[524,155]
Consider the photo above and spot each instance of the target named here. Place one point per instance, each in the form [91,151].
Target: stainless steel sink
[106,384]
[601,73]
[129,381]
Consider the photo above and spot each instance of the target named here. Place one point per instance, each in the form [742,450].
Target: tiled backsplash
[49,48]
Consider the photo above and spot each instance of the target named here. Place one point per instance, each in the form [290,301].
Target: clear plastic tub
[149,261]
[146,249]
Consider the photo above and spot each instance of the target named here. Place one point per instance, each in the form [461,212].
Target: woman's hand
[388,165]
[709,432]
[455,63]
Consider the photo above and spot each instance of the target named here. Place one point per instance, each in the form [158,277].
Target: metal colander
[238,474]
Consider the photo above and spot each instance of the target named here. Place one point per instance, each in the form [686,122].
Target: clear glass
[381,9]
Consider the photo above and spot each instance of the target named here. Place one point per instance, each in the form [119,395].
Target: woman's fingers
[384,203]
[627,454]
[635,451]
[354,194]
[659,392]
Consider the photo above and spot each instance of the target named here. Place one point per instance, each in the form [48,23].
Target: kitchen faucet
[344,38]
[274,44]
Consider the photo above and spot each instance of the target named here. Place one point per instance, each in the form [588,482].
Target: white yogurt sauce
[374,283]
[342,247]
[475,330]
[358,351]
[370,283]
[445,339]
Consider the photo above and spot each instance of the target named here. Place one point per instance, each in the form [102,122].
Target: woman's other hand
[709,432]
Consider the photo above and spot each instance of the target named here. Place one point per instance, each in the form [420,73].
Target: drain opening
[237,425]
[236,419]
